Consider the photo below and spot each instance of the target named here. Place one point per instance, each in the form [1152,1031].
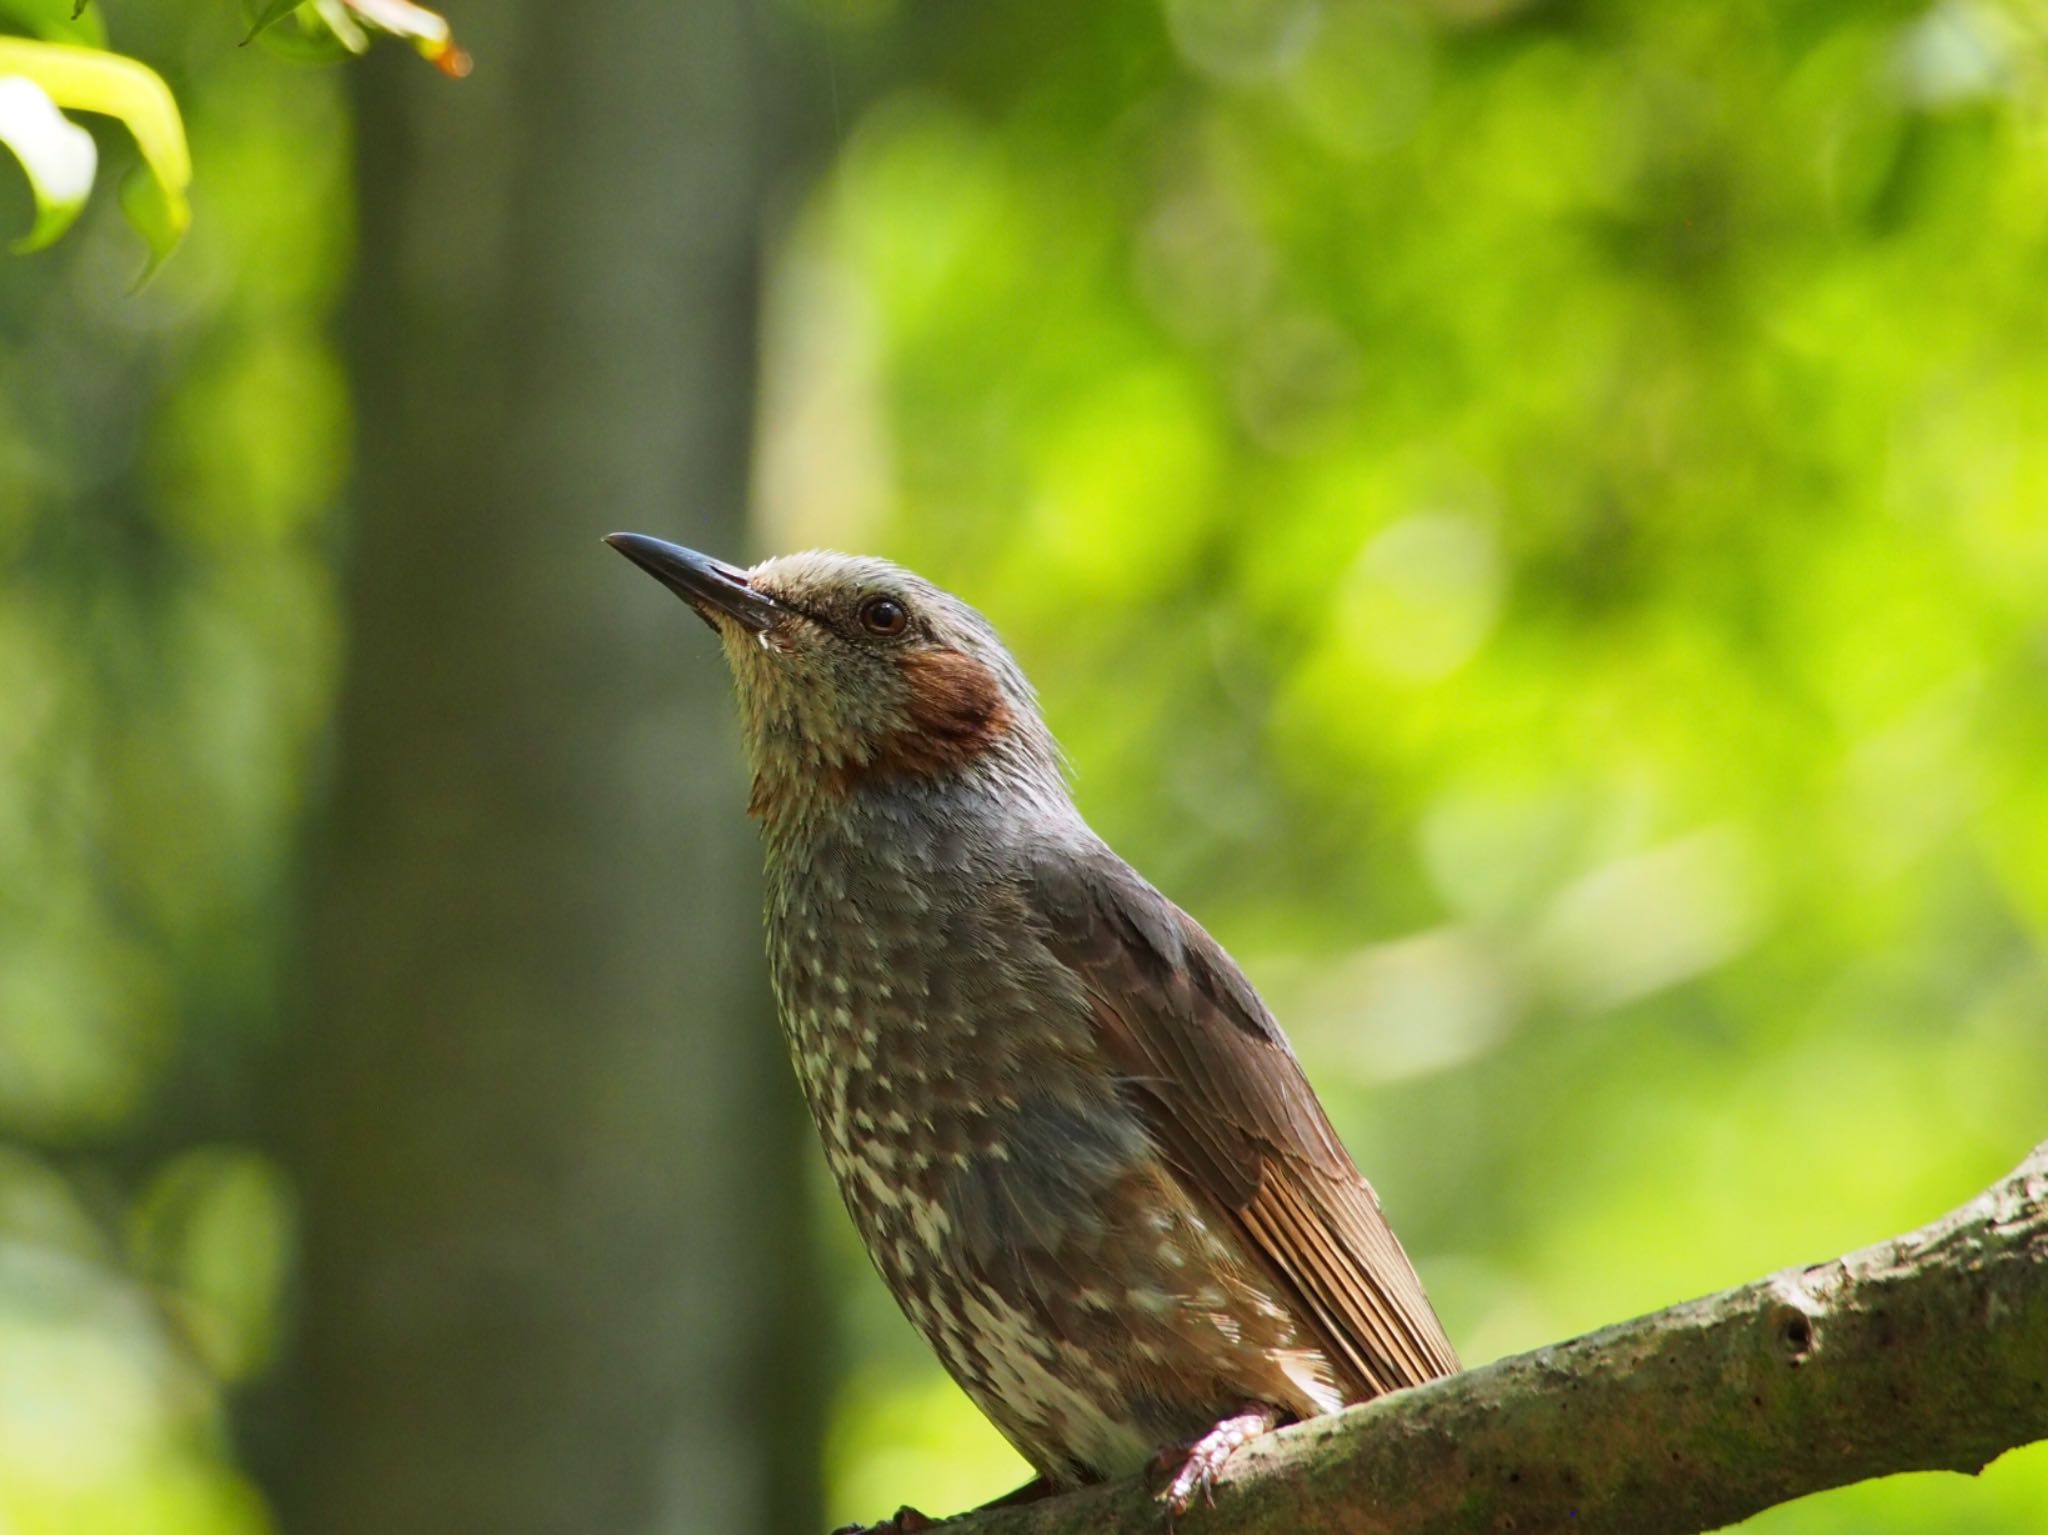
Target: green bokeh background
[1531,520]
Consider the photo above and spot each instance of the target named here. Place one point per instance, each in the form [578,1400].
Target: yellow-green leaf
[57,155]
[59,21]
[344,26]
[87,80]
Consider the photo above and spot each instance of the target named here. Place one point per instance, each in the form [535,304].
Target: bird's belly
[1018,1209]
[1093,1335]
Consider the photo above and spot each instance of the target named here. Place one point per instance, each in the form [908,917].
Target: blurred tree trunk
[554,1243]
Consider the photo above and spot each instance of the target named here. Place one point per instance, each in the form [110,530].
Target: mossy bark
[1927,1352]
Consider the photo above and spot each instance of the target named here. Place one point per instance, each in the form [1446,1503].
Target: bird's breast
[949,1063]
[1006,1189]
[936,1042]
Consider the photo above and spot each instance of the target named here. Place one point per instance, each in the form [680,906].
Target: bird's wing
[1231,1110]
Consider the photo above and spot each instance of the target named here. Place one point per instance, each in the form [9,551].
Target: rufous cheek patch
[956,711]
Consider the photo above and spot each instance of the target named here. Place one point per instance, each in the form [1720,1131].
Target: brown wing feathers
[1237,1118]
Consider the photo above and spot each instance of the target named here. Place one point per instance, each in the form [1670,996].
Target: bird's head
[853,673]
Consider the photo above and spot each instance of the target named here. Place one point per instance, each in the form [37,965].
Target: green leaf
[345,21]
[58,21]
[272,13]
[58,156]
[87,80]
[319,31]
[153,215]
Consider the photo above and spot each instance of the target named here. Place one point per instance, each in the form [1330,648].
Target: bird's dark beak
[707,585]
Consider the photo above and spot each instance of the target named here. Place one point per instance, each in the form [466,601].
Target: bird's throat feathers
[948,715]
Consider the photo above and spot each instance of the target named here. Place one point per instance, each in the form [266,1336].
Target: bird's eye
[884,616]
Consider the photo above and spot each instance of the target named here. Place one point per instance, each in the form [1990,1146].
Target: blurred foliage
[169,463]
[1528,518]
[1532,521]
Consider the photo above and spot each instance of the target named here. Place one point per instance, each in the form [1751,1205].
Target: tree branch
[1927,1352]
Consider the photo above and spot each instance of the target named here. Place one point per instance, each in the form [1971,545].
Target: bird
[1074,1141]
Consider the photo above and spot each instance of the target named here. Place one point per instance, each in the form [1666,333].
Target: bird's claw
[905,1521]
[1196,1466]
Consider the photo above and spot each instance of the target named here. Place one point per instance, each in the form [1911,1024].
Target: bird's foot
[905,1521]
[1195,1466]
